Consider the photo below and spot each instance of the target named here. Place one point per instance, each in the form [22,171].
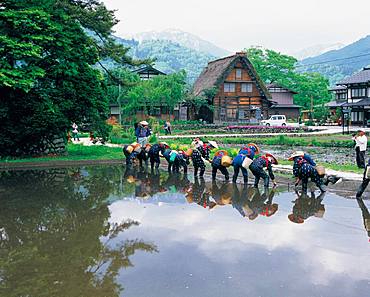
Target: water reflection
[307,206]
[56,239]
[72,232]
[365,215]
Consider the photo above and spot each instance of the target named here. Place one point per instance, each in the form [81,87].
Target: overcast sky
[284,25]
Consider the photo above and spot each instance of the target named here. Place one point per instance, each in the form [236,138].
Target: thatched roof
[216,72]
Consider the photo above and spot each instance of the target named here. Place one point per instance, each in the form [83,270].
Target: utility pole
[311,111]
[119,100]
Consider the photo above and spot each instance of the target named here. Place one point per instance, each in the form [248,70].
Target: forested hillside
[170,56]
[337,64]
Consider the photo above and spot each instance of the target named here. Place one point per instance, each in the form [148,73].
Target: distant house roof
[363,102]
[334,104]
[148,68]
[360,77]
[338,88]
[216,72]
[274,85]
[285,106]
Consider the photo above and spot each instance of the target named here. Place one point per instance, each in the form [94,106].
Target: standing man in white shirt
[360,147]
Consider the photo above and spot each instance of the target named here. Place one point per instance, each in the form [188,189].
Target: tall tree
[274,67]
[47,74]
[162,90]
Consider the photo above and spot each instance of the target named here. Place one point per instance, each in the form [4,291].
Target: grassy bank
[77,152]
[316,141]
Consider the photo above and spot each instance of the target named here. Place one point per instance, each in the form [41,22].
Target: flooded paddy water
[107,231]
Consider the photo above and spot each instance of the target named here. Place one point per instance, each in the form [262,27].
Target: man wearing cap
[360,147]
[257,166]
[154,153]
[220,162]
[142,133]
[245,152]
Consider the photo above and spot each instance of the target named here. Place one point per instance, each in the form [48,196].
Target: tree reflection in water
[55,237]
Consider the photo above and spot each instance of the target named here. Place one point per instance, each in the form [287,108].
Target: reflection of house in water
[241,96]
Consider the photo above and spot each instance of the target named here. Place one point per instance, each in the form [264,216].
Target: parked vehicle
[275,120]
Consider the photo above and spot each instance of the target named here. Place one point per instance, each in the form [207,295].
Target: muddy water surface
[105,231]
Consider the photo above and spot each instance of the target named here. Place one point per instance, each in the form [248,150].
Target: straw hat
[226,161]
[147,147]
[130,149]
[255,146]
[271,156]
[221,153]
[131,179]
[213,143]
[295,219]
[189,152]
[296,154]
[137,147]
[272,209]
[144,123]
[189,197]
[164,143]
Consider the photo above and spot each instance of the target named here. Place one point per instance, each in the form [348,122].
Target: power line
[334,60]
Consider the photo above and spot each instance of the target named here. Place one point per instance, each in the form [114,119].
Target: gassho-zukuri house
[353,94]
[241,96]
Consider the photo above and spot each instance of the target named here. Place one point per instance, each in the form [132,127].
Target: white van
[275,120]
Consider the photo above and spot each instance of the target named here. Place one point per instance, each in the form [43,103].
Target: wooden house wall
[238,106]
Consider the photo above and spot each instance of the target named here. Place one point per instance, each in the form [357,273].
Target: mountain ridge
[183,38]
[341,63]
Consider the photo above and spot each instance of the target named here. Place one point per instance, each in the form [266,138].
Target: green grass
[77,152]
[318,141]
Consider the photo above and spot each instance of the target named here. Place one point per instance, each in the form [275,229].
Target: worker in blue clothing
[257,168]
[167,155]
[182,160]
[248,151]
[142,133]
[154,153]
[220,162]
[303,170]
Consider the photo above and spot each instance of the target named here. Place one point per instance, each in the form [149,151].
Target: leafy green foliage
[162,90]
[47,74]
[274,67]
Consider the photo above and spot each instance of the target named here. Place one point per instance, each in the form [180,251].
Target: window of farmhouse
[229,87]
[238,73]
[246,88]
[231,113]
[358,93]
